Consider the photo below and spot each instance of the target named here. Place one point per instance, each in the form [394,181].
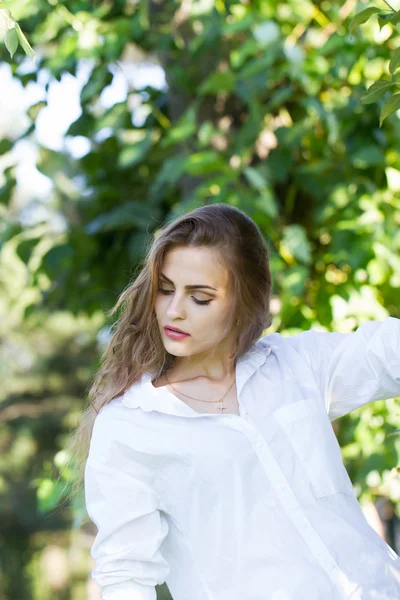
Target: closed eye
[203,302]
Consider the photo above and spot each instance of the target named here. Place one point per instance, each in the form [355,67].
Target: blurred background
[134,112]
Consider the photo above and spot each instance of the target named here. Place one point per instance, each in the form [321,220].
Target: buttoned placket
[293,508]
[282,486]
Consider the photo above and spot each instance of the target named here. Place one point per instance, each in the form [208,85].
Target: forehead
[195,265]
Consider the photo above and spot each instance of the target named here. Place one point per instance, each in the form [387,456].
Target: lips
[176,330]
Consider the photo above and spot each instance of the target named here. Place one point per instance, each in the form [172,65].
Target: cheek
[158,308]
[214,320]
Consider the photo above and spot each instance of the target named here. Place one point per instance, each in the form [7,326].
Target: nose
[175,309]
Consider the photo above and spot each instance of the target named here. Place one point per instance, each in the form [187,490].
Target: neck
[216,372]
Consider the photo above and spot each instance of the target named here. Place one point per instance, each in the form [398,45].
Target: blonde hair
[136,346]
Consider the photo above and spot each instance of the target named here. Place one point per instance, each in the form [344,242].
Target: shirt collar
[144,395]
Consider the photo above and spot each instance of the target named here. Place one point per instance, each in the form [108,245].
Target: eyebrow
[189,287]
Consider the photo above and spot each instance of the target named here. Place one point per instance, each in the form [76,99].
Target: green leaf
[255,178]
[368,155]
[11,41]
[295,279]
[200,163]
[57,259]
[384,19]
[137,245]
[7,186]
[395,432]
[5,146]
[280,161]
[25,248]
[295,244]
[394,61]
[390,106]
[267,203]
[168,175]
[395,18]
[24,42]
[35,109]
[99,78]
[49,493]
[279,97]
[363,16]
[185,127]
[50,162]
[218,82]
[376,91]
[260,65]
[378,271]
[239,55]
[239,25]
[130,215]
[134,153]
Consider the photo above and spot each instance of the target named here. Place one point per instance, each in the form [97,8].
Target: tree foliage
[385,84]
[277,108]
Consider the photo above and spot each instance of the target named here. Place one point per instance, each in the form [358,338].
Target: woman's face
[201,312]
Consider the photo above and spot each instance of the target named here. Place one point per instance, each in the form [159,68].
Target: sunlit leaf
[238,25]
[49,493]
[35,109]
[393,433]
[384,19]
[363,16]
[295,245]
[218,82]
[204,162]
[24,42]
[185,127]
[395,18]
[390,106]
[255,178]
[133,154]
[394,61]
[169,172]
[376,91]
[11,41]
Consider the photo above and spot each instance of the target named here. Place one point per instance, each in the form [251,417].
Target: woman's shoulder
[112,407]
[118,437]
[116,421]
[292,339]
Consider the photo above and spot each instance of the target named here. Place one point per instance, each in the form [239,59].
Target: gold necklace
[221,408]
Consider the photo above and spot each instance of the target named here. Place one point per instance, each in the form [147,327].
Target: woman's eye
[203,302]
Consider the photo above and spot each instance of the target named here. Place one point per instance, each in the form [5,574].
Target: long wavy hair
[136,347]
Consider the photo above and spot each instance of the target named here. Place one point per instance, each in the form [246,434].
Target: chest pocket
[309,431]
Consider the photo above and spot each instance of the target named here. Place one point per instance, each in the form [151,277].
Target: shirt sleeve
[354,368]
[131,528]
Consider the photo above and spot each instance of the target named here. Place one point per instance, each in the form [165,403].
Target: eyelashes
[202,302]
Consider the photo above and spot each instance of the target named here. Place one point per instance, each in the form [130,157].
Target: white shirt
[256,506]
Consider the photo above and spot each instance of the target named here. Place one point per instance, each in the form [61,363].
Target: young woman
[213,465]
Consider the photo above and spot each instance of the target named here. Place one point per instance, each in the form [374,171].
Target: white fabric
[251,507]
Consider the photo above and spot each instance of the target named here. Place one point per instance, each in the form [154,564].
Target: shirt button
[260,445]
[306,524]
[281,486]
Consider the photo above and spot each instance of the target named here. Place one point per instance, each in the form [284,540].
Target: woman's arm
[131,527]
[355,368]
